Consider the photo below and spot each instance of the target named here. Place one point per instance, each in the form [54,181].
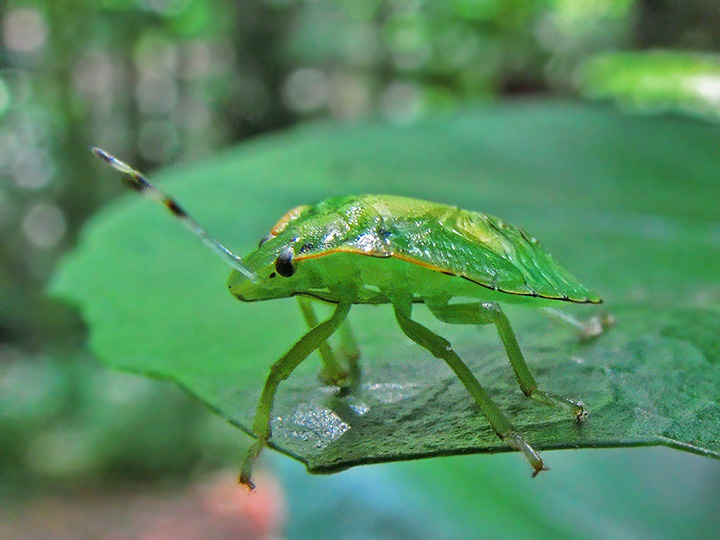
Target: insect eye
[284,264]
[265,239]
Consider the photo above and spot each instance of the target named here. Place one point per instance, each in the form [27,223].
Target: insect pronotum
[381,249]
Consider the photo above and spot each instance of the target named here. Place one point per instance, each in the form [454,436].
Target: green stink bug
[374,249]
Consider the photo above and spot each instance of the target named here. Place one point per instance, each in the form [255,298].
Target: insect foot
[519,443]
[247,467]
[341,379]
[587,330]
[574,406]
[581,414]
[596,326]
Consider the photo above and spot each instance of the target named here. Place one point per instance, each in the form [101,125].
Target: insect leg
[588,329]
[280,371]
[441,348]
[332,373]
[490,313]
[350,351]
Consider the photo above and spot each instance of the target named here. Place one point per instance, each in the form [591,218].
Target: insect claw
[516,441]
[596,326]
[342,380]
[581,414]
[247,483]
[541,469]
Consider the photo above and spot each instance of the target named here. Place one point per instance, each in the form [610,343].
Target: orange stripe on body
[424,264]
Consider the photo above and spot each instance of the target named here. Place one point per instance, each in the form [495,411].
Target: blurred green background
[172,81]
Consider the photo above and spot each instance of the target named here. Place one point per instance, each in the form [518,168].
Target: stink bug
[379,249]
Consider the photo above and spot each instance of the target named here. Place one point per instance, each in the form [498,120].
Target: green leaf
[629,204]
[656,81]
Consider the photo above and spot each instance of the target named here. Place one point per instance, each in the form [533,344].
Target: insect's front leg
[334,372]
[490,313]
[280,371]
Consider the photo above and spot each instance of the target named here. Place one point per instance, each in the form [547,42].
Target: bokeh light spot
[159,141]
[32,168]
[24,30]
[94,74]
[306,90]
[156,94]
[44,225]
[707,87]
[402,102]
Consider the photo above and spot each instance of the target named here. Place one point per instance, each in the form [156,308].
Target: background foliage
[162,81]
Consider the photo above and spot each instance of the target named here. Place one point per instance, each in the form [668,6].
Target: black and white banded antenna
[135,180]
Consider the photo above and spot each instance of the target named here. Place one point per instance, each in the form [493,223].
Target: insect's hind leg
[333,371]
[442,349]
[587,329]
[491,313]
[280,371]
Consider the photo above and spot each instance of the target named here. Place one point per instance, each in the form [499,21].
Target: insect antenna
[135,180]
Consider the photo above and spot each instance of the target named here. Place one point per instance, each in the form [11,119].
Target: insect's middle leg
[280,371]
[333,371]
[350,351]
[441,348]
[490,313]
